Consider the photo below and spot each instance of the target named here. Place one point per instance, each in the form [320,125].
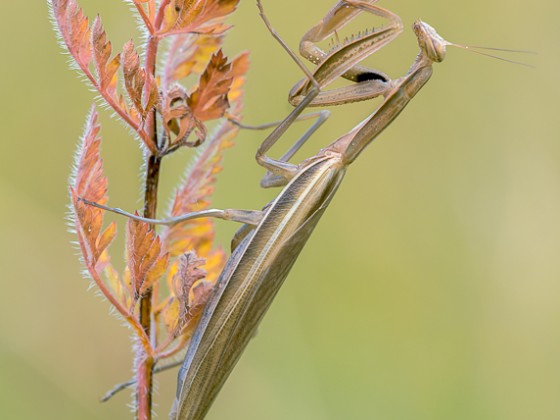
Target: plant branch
[118,388]
[144,17]
[145,365]
[176,349]
[118,109]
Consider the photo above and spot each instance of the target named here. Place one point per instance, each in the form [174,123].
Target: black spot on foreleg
[364,77]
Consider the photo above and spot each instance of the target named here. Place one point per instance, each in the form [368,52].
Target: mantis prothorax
[269,245]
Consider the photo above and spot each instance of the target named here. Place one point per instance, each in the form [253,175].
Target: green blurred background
[430,289]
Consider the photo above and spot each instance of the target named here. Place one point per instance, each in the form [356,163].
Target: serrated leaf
[105,66]
[198,296]
[239,68]
[171,316]
[155,273]
[74,29]
[143,252]
[209,101]
[194,195]
[127,280]
[177,116]
[84,43]
[89,182]
[182,16]
[105,239]
[140,86]
[117,286]
[189,54]
[215,261]
[188,274]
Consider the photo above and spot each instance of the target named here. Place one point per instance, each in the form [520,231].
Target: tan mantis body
[261,262]
[267,250]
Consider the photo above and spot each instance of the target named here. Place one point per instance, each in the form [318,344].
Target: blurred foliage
[430,289]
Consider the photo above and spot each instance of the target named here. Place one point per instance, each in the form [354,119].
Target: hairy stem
[146,364]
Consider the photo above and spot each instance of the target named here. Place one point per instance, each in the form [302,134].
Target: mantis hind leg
[271,179]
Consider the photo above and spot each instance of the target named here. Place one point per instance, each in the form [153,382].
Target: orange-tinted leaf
[188,273]
[83,44]
[151,10]
[105,239]
[239,68]
[181,13]
[138,83]
[214,265]
[182,16]
[210,100]
[198,297]
[201,289]
[195,194]
[89,182]
[127,280]
[189,54]
[178,120]
[117,286]
[134,77]
[143,252]
[74,29]
[155,273]
[106,68]
[171,316]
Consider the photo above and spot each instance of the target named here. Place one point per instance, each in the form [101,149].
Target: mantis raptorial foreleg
[342,59]
[335,19]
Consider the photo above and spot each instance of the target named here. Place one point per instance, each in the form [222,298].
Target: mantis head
[434,46]
[430,41]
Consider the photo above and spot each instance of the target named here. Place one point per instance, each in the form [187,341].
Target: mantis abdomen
[250,282]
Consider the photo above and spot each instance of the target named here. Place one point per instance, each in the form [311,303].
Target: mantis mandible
[268,245]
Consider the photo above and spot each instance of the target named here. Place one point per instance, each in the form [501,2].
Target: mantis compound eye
[430,42]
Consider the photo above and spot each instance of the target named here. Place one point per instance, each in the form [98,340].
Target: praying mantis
[267,246]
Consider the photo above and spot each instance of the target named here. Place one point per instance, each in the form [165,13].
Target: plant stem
[145,362]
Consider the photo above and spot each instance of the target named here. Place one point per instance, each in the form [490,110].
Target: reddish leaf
[141,86]
[74,29]
[239,68]
[105,66]
[149,17]
[177,116]
[214,264]
[171,315]
[195,195]
[199,181]
[209,101]
[188,54]
[189,271]
[182,16]
[105,239]
[117,285]
[143,256]
[83,44]
[155,273]
[188,290]
[89,182]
